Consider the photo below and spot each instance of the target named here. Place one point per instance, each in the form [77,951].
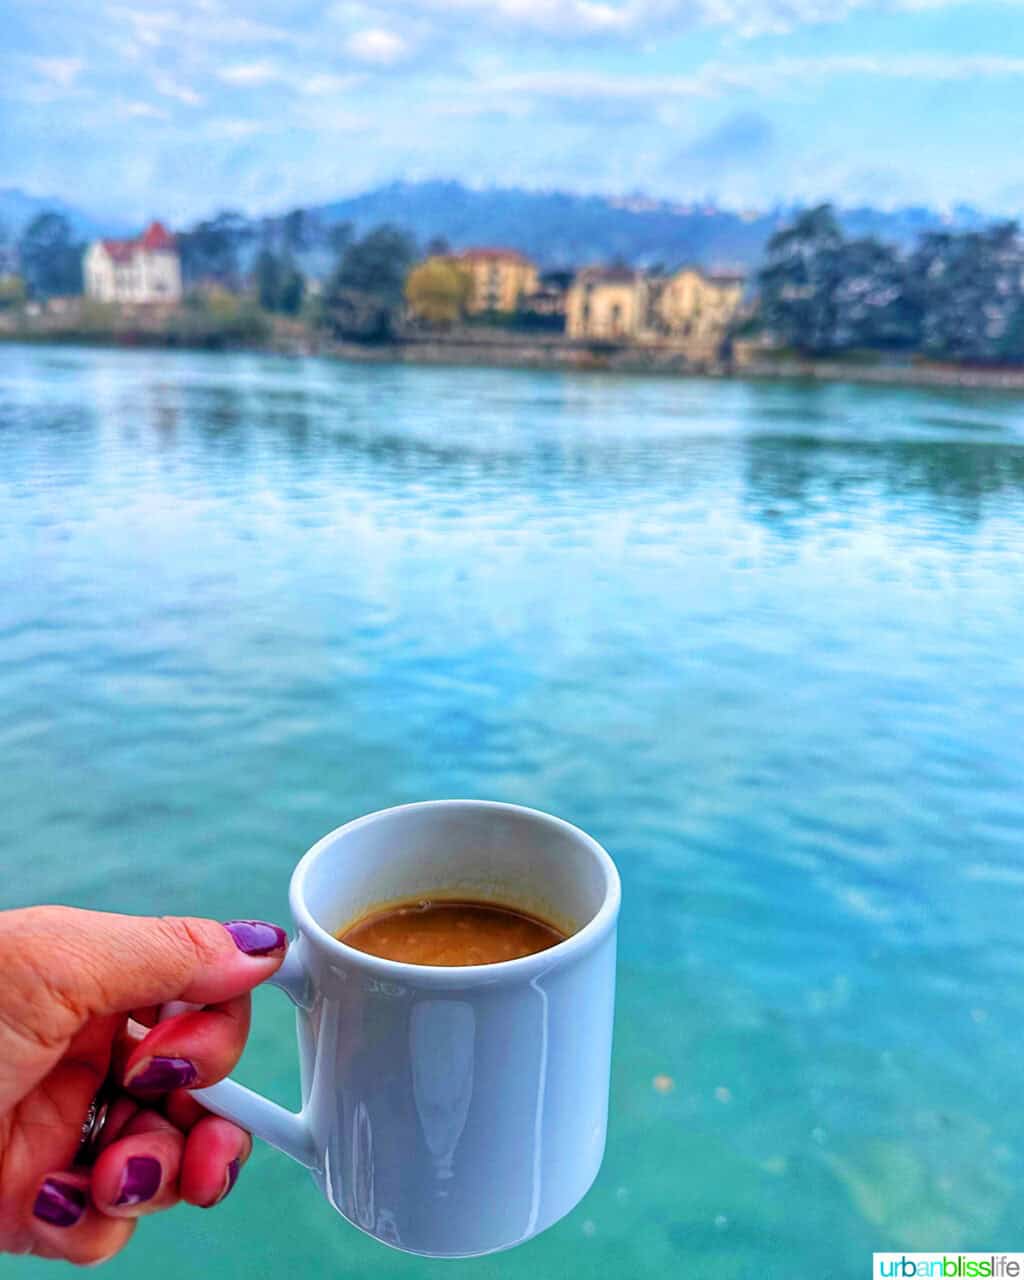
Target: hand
[80,997]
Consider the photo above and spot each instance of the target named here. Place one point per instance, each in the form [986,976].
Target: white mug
[449,1112]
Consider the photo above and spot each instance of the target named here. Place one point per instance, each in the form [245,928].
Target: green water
[765,642]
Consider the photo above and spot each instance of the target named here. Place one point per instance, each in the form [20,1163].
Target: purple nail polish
[256,937]
[230,1178]
[140,1180]
[59,1203]
[160,1075]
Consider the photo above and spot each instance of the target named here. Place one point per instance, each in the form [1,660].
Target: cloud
[308,82]
[249,73]
[717,79]
[60,72]
[171,88]
[377,46]
[141,111]
[233,130]
[553,19]
[325,84]
[636,21]
[207,20]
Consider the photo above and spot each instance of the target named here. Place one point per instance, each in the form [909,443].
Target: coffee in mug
[449,932]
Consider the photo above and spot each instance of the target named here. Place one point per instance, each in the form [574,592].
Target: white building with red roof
[147,269]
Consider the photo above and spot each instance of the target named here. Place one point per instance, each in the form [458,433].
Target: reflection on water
[763,640]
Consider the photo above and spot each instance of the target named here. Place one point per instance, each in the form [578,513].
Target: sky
[178,108]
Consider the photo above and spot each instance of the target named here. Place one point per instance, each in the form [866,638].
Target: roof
[155,238]
[495,255]
[120,250]
[607,275]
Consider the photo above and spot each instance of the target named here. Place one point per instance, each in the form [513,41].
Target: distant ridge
[18,208]
[561,229]
[555,228]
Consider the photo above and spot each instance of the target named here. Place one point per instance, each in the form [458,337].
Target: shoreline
[555,353]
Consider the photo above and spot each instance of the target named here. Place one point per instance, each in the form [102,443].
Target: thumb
[63,966]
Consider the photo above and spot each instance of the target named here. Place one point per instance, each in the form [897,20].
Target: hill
[561,229]
[18,208]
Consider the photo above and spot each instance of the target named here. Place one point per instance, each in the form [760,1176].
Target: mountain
[18,208]
[559,229]
[555,228]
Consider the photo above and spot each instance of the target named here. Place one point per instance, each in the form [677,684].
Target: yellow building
[500,278]
[605,304]
[694,308]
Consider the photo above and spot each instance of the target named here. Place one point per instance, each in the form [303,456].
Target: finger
[138,1173]
[148,1016]
[215,1151]
[66,1224]
[62,966]
[183,1110]
[121,1113]
[127,1040]
[190,1050]
[53,1115]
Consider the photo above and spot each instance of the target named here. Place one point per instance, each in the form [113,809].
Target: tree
[438,247]
[438,290]
[279,284]
[292,288]
[210,251]
[8,250]
[1011,345]
[875,307]
[799,280]
[12,292]
[297,230]
[339,237]
[377,264]
[364,294]
[268,282]
[970,290]
[51,260]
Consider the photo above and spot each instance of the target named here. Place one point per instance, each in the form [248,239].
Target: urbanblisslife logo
[948,1266]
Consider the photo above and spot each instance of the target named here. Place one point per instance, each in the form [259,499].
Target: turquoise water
[764,641]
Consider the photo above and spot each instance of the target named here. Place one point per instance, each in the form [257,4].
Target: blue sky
[181,107]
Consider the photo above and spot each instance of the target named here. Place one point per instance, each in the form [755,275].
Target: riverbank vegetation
[952,296]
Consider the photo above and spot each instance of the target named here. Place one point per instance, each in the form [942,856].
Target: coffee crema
[450,933]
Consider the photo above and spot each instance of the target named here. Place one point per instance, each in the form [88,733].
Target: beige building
[144,270]
[500,278]
[693,306]
[690,309]
[605,304]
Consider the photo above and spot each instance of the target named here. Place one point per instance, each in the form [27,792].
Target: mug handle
[284,1129]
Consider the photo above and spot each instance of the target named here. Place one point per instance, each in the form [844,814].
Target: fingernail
[256,937]
[140,1180]
[59,1203]
[163,1074]
[230,1178]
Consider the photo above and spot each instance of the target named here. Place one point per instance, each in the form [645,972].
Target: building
[605,304]
[501,277]
[694,308]
[145,270]
[689,310]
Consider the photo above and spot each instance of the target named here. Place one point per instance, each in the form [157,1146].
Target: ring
[94,1122]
